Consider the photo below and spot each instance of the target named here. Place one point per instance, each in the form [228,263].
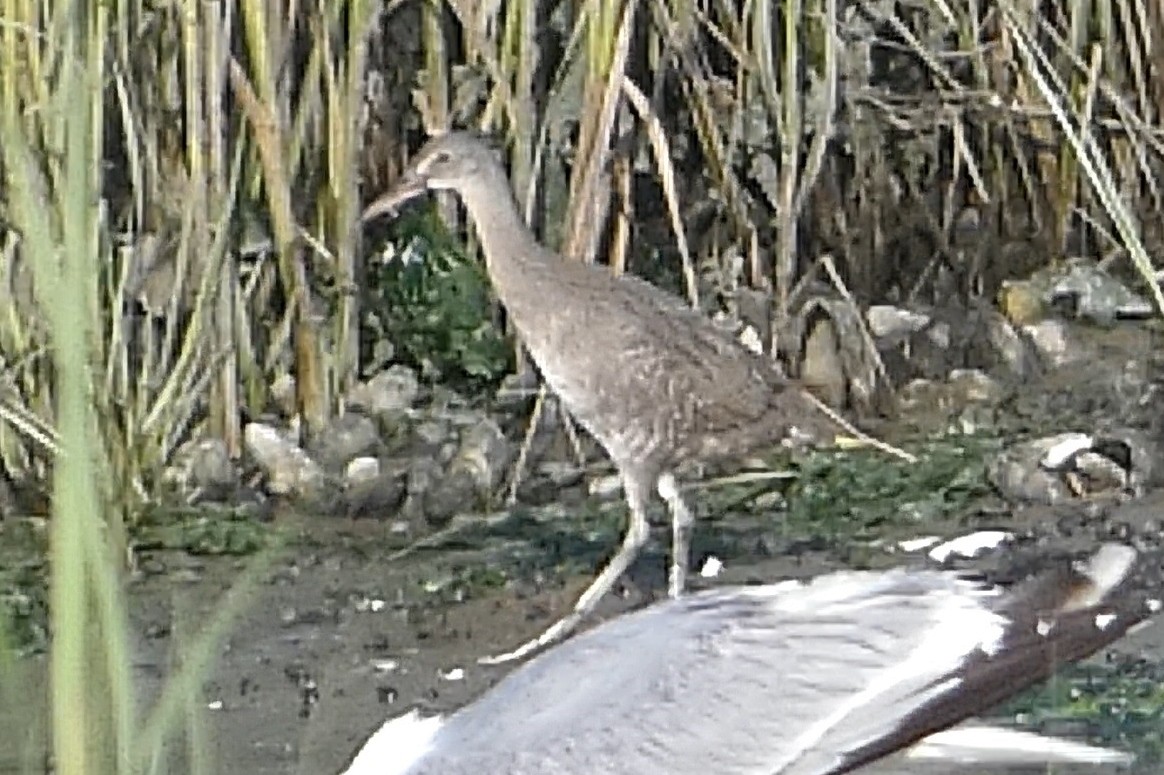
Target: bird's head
[451,161]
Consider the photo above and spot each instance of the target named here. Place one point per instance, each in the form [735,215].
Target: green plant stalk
[1088,154]
[105,558]
[345,87]
[434,78]
[75,509]
[260,100]
[517,61]
[791,135]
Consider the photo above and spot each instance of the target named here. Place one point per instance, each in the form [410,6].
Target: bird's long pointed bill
[406,188]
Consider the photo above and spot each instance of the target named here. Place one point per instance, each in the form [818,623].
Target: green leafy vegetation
[202,531]
[1117,702]
[861,492]
[24,607]
[433,304]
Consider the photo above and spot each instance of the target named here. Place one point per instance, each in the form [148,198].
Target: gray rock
[455,493]
[1054,342]
[1015,351]
[361,469]
[963,404]
[387,395]
[822,367]
[1095,294]
[288,469]
[372,488]
[202,470]
[1115,459]
[435,493]
[434,437]
[1019,475]
[346,438]
[919,394]
[894,324]
[974,385]
[1064,466]
[422,475]
[484,454]
[283,394]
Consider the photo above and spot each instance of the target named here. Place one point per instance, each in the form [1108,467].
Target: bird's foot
[553,634]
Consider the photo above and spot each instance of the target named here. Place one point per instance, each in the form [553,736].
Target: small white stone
[712,567]
[1064,449]
[911,545]
[971,545]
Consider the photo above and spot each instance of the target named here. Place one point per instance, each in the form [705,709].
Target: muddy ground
[316,663]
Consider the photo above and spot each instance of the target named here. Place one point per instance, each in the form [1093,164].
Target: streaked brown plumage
[655,382]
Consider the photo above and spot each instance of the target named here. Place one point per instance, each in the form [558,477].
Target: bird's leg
[636,536]
[681,522]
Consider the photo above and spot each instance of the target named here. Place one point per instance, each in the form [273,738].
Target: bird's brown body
[655,382]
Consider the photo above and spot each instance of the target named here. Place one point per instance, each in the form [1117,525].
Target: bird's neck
[513,255]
